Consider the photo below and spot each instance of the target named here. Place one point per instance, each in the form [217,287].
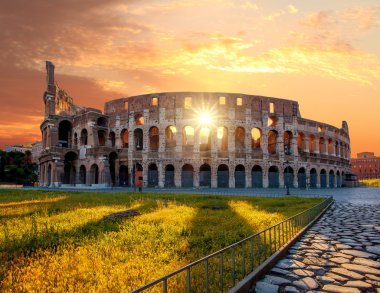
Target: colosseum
[188,139]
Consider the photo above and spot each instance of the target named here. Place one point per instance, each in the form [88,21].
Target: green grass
[53,241]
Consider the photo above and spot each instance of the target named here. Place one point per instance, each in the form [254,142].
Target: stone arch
[256,138]
[272,142]
[313,178]
[240,176]
[187,176]
[240,138]
[94,174]
[154,138]
[322,146]
[112,138]
[170,140]
[188,136]
[323,178]
[102,137]
[223,176]
[289,176]
[112,165]
[49,175]
[64,133]
[75,139]
[138,137]
[123,176]
[69,175]
[82,174]
[83,137]
[169,176]
[338,179]
[273,177]
[330,146]
[301,142]
[205,175]
[336,149]
[331,178]
[125,138]
[301,176]
[152,175]
[257,176]
[312,144]
[288,136]
[205,139]
[139,119]
[102,122]
[222,138]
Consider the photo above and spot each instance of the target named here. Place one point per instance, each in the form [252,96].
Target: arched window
[222,137]
[287,142]
[272,142]
[256,138]
[188,135]
[170,132]
[301,142]
[138,136]
[239,138]
[154,138]
[83,137]
[139,119]
[125,138]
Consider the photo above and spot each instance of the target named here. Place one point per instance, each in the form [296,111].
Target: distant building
[366,165]
[18,148]
[36,151]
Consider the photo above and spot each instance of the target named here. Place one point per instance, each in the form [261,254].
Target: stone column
[161,175]
[281,177]
[318,180]
[248,178]
[177,176]
[231,177]
[295,180]
[265,177]
[306,144]
[214,179]
[196,176]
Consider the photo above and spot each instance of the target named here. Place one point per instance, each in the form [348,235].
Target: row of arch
[310,143]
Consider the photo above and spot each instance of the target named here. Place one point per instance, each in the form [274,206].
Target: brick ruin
[251,142]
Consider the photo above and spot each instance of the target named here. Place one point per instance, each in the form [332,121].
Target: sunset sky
[324,54]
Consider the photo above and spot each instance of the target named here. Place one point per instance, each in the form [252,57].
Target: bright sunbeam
[205,118]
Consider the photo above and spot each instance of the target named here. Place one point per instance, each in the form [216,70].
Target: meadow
[53,241]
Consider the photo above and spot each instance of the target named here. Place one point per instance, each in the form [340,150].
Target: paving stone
[361,269]
[339,260]
[325,280]
[339,254]
[303,273]
[374,283]
[306,283]
[358,284]
[291,289]
[373,249]
[358,253]
[340,289]
[342,246]
[276,280]
[366,262]
[290,264]
[318,262]
[347,273]
[336,277]
[373,277]
[323,247]
[263,287]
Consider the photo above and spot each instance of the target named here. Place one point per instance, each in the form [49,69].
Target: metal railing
[221,270]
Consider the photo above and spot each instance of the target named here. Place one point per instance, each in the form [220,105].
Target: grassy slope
[56,241]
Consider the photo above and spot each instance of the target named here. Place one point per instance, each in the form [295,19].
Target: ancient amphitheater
[188,139]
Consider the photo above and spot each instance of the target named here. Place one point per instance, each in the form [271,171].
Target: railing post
[188,289]
[206,272]
[221,271]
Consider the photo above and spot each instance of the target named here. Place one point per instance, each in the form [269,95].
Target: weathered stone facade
[251,141]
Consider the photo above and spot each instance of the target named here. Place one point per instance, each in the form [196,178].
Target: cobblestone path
[340,253]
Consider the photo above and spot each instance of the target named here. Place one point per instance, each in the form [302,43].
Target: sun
[205,118]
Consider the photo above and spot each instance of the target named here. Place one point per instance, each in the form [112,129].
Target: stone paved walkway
[340,253]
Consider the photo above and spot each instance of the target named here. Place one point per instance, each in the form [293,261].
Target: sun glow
[205,118]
